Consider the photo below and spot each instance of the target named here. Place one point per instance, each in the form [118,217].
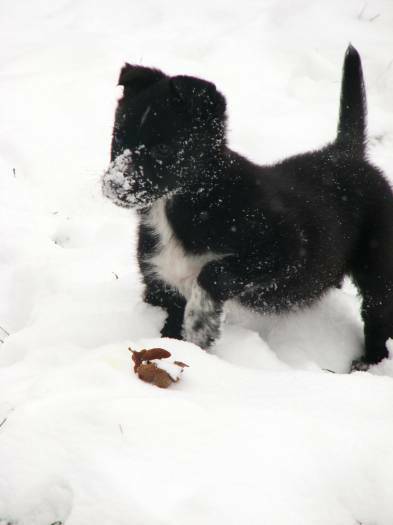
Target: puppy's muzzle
[124,184]
[116,181]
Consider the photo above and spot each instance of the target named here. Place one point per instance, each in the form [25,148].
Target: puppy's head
[166,130]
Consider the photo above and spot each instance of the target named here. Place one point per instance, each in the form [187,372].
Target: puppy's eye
[160,151]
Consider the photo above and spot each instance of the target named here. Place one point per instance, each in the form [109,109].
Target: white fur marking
[202,318]
[170,263]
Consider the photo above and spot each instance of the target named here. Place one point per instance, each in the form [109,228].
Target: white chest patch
[171,263]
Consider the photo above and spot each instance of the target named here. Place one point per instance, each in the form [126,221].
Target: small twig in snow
[14,172]
[2,422]
[115,274]
[360,15]
[121,429]
[4,330]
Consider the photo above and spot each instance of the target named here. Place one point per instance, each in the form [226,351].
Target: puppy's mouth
[119,183]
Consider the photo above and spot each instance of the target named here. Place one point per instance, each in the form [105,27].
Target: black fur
[286,233]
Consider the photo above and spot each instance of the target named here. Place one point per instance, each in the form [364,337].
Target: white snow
[174,370]
[255,432]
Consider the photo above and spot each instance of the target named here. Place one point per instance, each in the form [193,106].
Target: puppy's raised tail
[351,132]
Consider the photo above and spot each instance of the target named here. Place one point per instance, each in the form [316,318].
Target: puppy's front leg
[202,318]
[217,282]
[157,295]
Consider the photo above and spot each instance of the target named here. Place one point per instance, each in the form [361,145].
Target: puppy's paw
[171,330]
[359,365]
[202,318]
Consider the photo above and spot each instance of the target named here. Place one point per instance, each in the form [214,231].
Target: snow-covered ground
[255,432]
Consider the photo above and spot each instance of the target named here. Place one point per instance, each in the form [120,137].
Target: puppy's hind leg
[373,274]
[377,317]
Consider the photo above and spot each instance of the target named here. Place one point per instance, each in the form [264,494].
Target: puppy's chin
[118,184]
[125,198]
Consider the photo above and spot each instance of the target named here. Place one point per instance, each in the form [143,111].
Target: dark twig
[5,331]
[360,15]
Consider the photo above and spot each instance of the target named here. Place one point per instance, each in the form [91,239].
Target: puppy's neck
[209,171]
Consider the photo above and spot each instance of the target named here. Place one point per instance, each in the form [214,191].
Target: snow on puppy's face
[119,182]
[165,131]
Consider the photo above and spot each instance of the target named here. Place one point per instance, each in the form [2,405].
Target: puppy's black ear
[198,96]
[137,78]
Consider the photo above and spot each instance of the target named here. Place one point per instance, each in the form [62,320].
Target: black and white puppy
[214,226]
